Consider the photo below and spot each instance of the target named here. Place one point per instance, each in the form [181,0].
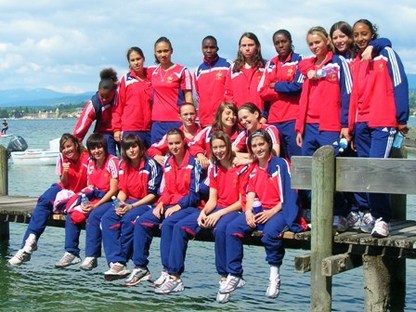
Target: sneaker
[162,278]
[230,284]
[224,298]
[273,289]
[138,275]
[88,264]
[117,270]
[367,223]
[67,260]
[170,285]
[381,229]
[340,223]
[30,244]
[20,257]
[354,220]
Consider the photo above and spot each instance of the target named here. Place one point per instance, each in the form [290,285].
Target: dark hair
[320,31]
[220,135]
[162,39]
[67,136]
[252,108]
[108,79]
[217,124]
[132,140]
[174,131]
[209,37]
[285,33]
[373,28]
[258,58]
[263,134]
[97,140]
[346,29]
[134,49]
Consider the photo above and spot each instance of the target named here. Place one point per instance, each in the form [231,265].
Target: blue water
[38,286]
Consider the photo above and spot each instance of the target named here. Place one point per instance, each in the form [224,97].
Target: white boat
[37,157]
[34,157]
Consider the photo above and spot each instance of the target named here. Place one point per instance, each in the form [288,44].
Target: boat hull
[34,157]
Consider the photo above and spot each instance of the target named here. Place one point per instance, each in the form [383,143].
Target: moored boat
[34,157]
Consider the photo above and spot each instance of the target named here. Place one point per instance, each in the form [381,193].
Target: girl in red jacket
[134,101]
[323,106]
[245,73]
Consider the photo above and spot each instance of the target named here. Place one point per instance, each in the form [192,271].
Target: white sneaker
[138,275]
[117,270]
[170,285]
[367,223]
[340,223]
[162,278]
[20,257]
[274,288]
[354,220]
[381,229]
[88,264]
[230,284]
[224,298]
[67,260]
[30,244]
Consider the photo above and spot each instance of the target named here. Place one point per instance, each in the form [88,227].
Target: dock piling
[4,190]
[323,188]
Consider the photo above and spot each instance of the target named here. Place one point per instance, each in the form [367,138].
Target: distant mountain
[40,97]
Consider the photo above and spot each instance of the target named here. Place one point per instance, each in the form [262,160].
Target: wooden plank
[354,174]
[301,172]
[302,263]
[340,263]
[372,175]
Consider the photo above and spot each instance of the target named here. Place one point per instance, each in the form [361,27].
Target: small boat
[4,136]
[34,157]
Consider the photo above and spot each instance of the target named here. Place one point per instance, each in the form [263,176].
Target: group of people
[178,175]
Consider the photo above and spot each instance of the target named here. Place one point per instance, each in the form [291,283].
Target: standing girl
[102,178]
[139,182]
[71,166]
[245,73]
[379,109]
[134,101]
[172,86]
[178,194]
[280,86]
[324,102]
[269,182]
[100,109]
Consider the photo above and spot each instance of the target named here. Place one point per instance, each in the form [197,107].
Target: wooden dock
[382,259]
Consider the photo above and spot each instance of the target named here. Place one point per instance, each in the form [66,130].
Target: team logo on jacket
[219,76]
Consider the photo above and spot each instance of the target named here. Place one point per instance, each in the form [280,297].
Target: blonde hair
[321,32]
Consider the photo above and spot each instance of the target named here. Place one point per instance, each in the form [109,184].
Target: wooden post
[323,187]
[397,267]
[4,186]
[376,283]
[4,189]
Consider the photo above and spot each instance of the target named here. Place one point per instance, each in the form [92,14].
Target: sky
[63,45]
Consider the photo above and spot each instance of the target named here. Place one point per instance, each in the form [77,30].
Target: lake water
[38,286]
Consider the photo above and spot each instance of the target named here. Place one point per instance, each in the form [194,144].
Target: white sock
[274,272]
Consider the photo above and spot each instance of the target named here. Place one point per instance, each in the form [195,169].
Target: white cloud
[64,44]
